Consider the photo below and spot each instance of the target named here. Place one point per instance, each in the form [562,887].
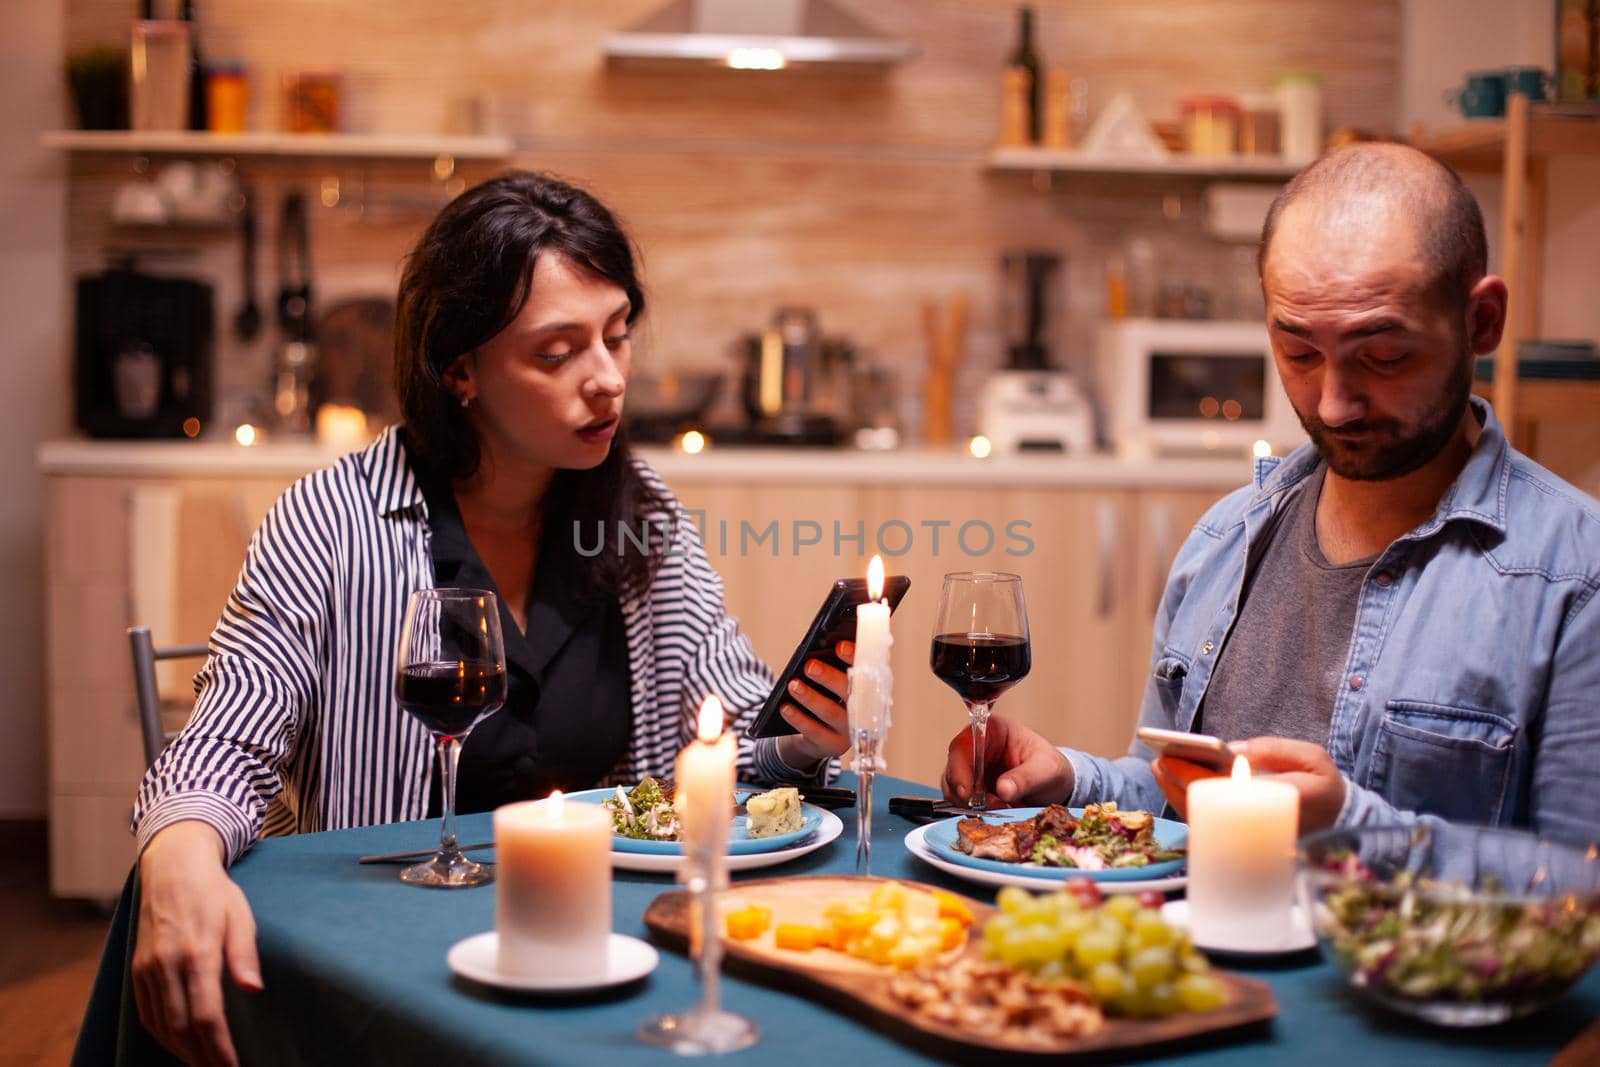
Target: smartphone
[1210,752]
[835,621]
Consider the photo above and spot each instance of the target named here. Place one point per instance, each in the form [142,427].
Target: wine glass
[981,649]
[450,672]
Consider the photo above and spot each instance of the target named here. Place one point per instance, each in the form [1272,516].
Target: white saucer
[1298,938]
[918,846]
[478,958]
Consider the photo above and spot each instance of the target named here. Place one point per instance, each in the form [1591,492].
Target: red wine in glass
[980,649]
[450,671]
[981,666]
[450,697]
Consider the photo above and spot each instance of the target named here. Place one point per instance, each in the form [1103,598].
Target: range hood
[755,35]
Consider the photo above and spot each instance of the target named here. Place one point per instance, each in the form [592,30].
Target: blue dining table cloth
[354,966]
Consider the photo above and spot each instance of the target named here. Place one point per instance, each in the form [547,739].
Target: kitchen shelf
[1519,148]
[1069,161]
[1481,145]
[283,145]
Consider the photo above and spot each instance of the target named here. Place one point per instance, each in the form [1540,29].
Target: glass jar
[1210,125]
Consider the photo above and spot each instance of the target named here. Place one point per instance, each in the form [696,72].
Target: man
[1399,618]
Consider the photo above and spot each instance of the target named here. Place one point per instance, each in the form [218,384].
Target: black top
[568,713]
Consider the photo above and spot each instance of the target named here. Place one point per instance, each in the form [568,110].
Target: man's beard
[1385,449]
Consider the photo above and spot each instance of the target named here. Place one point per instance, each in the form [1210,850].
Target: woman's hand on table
[1302,764]
[192,920]
[824,724]
[1021,767]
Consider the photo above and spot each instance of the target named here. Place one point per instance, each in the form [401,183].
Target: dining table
[354,968]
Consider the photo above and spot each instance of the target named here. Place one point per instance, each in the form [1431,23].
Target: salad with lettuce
[644,813]
[1420,939]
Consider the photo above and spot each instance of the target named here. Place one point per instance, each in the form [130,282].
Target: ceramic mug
[1483,97]
[1532,82]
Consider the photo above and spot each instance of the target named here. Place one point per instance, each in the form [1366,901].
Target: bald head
[1389,193]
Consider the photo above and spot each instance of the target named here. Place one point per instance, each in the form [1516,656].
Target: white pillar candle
[553,888]
[871,680]
[704,780]
[1241,859]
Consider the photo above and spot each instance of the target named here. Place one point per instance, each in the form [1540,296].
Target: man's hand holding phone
[1183,758]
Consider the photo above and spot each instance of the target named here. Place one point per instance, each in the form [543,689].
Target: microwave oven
[1180,386]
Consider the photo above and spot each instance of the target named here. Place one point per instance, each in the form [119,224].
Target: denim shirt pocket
[1446,761]
[1170,671]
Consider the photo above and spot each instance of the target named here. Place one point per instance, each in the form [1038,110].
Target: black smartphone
[835,621]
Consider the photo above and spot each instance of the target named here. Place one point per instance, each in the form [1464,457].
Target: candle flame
[710,719]
[1241,768]
[875,577]
[553,805]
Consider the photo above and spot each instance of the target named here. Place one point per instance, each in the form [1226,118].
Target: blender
[1028,405]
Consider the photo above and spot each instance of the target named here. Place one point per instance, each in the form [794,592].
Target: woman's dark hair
[465,281]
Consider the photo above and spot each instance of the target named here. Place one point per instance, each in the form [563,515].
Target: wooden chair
[145,657]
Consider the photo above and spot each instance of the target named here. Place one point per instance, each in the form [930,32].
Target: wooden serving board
[861,989]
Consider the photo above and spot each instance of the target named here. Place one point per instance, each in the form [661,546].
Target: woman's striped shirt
[296,727]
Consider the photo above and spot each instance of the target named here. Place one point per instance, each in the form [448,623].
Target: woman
[511,360]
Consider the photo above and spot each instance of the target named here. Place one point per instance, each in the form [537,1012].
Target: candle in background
[1241,859]
[342,429]
[871,681]
[553,888]
[704,779]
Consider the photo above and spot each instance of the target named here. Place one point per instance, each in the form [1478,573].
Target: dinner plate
[828,829]
[941,838]
[1299,937]
[478,958]
[918,847]
[740,843]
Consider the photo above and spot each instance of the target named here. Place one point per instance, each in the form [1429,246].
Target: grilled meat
[984,841]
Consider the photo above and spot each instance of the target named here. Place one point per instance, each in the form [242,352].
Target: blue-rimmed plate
[740,843]
[941,840]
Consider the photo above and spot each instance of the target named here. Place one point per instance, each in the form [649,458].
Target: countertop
[789,466]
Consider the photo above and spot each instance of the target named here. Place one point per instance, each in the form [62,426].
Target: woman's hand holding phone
[816,708]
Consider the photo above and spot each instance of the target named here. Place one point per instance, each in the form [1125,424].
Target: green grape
[1163,1000]
[1150,967]
[1051,971]
[1061,903]
[1013,901]
[1123,908]
[1072,925]
[1095,947]
[1200,992]
[1016,950]
[1112,929]
[997,929]
[1149,930]
[1190,961]
[1107,982]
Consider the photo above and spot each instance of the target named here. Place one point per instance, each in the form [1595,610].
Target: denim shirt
[1471,688]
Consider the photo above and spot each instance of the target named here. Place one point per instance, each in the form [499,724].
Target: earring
[465,401]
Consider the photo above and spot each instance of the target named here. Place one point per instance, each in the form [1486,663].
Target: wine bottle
[197,69]
[1026,58]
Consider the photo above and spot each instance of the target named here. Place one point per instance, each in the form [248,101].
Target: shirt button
[1205,649]
[1356,681]
[1384,578]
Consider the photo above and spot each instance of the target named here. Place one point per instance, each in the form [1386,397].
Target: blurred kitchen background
[896,253]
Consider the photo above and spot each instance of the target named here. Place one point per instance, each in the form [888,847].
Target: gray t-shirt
[1280,668]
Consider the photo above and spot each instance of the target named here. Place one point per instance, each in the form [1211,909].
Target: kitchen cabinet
[154,534]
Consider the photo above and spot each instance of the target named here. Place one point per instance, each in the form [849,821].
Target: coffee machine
[143,354]
[1028,405]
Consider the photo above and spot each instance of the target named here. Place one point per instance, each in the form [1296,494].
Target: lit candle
[704,779]
[341,428]
[1241,859]
[553,888]
[871,681]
